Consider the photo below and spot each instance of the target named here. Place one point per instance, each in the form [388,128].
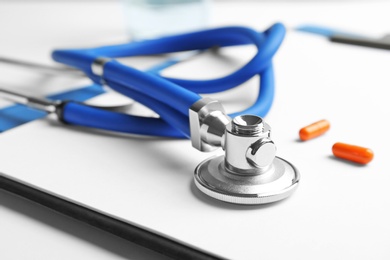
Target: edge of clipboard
[124,230]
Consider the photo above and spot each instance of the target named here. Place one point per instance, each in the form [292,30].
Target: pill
[314,130]
[353,153]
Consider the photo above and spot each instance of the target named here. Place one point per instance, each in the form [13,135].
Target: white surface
[340,210]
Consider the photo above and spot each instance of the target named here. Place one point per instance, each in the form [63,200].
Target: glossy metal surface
[50,106]
[97,66]
[207,123]
[249,173]
[279,182]
[248,147]
[41,104]
[42,68]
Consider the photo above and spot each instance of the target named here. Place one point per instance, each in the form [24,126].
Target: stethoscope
[249,172]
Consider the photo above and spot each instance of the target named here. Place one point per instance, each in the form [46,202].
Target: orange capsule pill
[353,153]
[314,130]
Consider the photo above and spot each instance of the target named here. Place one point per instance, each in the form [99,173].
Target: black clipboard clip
[381,43]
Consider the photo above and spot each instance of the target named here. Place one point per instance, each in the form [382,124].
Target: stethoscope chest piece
[279,182]
[249,172]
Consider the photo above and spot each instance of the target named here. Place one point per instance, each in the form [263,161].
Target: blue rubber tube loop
[267,44]
[223,37]
[168,114]
[83,115]
[172,97]
[150,84]
[265,98]
[266,50]
[229,36]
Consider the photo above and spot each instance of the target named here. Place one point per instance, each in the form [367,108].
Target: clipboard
[147,182]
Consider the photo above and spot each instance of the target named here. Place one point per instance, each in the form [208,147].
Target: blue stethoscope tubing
[171,98]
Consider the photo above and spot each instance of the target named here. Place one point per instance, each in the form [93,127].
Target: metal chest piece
[249,172]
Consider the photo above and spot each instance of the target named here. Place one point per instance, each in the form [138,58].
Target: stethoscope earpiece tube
[75,113]
[167,113]
[93,117]
[161,90]
[167,95]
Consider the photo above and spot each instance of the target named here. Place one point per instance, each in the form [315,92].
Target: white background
[340,210]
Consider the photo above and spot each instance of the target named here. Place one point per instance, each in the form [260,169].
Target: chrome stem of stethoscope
[50,106]
[43,68]
[249,172]
[38,103]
